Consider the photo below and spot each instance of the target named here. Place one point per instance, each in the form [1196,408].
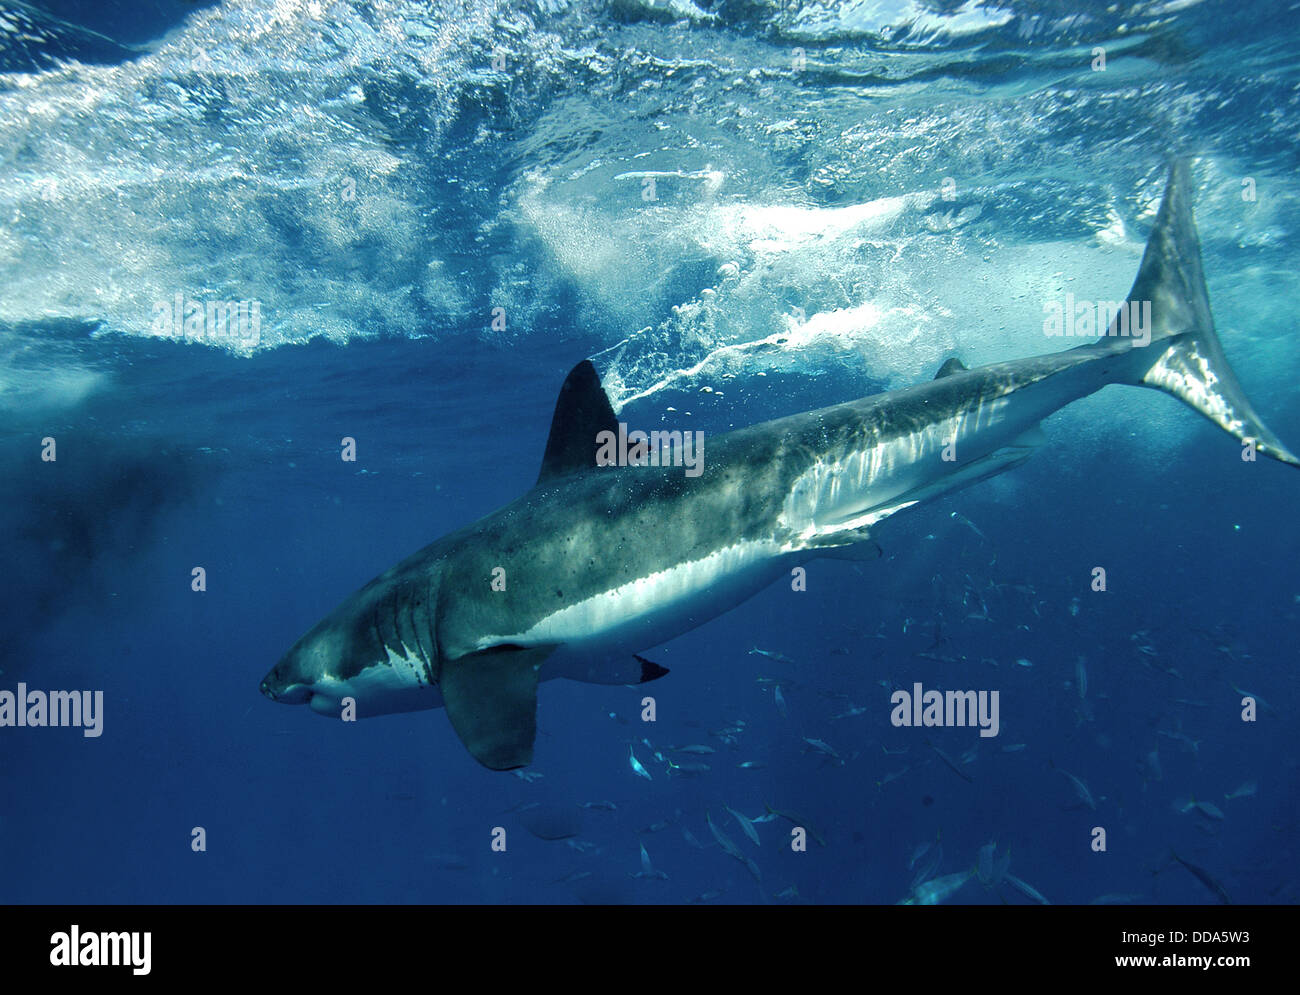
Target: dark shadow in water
[69,523]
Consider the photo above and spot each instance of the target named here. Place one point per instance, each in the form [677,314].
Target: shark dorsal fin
[950,367]
[582,411]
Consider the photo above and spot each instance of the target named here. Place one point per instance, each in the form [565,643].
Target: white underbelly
[398,685]
[649,610]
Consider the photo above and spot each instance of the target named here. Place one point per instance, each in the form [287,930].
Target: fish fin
[1183,357]
[582,412]
[625,670]
[491,700]
[650,671]
[857,528]
[862,550]
[950,367]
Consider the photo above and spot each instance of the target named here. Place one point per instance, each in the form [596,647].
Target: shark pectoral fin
[491,699]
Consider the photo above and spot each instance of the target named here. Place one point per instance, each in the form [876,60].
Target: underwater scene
[649,452]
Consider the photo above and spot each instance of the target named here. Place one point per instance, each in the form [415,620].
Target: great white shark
[598,563]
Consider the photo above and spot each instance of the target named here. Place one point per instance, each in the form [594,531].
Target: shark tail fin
[1182,355]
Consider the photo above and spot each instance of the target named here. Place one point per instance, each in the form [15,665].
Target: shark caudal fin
[1182,355]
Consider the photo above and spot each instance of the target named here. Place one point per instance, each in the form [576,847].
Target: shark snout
[285,693]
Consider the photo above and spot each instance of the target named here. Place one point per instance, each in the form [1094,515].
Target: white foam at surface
[177,171]
[123,185]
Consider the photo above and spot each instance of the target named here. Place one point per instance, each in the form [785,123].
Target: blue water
[380,187]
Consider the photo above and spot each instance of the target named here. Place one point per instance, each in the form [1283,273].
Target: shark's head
[374,650]
[280,686]
[307,674]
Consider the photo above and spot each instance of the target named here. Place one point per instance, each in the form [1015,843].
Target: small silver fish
[746,824]
[1025,889]
[938,889]
[919,851]
[524,806]
[728,847]
[1189,744]
[796,819]
[771,655]
[948,761]
[1210,810]
[892,775]
[1080,789]
[969,524]
[1207,809]
[1250,694]
[824,749]
[688,770]
[1150,767]
[1204,877]
[648,871]
[860,710]
[1245,791]
[707,896]
[573,876]
[990,867]
[636,765]
[927,866]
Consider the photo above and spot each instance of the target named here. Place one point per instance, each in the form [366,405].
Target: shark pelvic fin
[625,670]
[582,412]
[650,671]
[1184,357]
[491,699]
